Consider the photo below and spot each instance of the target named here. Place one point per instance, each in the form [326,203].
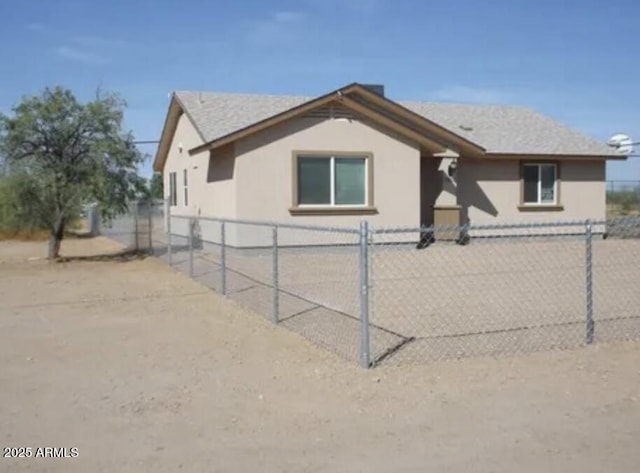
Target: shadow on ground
[119,257]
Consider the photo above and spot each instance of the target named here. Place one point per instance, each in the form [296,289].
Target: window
[173,196]
[333,181]
[186,188]
[540,184]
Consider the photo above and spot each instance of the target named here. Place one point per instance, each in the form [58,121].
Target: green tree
[156,186]
[75,153]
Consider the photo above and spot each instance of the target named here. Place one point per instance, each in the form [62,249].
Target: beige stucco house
[354,154]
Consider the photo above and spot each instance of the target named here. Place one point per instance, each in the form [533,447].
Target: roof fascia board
[401,110]
[573,157]
[381,119]
[168,131]
[267,122]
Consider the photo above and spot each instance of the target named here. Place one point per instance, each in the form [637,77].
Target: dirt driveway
[142,369]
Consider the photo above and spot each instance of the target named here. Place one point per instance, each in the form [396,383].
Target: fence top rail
[508,226]
[258,223]
[628,220]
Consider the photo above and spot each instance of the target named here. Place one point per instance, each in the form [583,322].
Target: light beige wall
[178,159]
[210,176]
[489,192]
[218,197]
[264,168]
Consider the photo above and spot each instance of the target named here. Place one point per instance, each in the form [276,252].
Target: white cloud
[90,50]
[288,17]
[359,7]
[278,27]
[91,41]
[79,55]
[461,93]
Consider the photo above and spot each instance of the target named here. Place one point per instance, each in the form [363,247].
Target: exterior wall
[252,180]
[489,192]
[210,178]
[264,171]
[185,137]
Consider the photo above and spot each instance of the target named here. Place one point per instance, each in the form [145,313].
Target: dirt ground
[143,369]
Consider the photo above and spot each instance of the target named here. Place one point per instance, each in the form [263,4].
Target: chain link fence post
[191,224]
[223,259]
[167,213]
[365,358]
[589,282]
[150,226]
[274,274]
[135,224]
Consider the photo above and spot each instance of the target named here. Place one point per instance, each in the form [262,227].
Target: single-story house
[353,154]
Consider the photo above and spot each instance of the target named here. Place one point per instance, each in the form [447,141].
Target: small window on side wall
[173,197]
[185,182]
[540,181]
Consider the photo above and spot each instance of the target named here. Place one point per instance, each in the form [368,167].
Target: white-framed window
[332,181]
[540,181]
[173,195]
[185,181]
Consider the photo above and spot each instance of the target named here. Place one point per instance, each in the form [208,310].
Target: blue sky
[575,60]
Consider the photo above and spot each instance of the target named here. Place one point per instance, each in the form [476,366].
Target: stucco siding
[264,169]
[489,192]
[211,188]
[584,189]
[178,159]
[220,183]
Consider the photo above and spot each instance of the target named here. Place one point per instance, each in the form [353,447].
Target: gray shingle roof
[508,129]
[498,129]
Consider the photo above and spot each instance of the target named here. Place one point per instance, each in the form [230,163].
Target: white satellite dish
[623,144]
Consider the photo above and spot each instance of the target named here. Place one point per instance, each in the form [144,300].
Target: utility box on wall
[446,220]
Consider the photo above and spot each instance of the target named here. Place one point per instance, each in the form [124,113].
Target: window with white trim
[332,181]
[540,183]
[173,196]
[186,187]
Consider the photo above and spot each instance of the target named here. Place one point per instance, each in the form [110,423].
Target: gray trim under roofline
[554,156]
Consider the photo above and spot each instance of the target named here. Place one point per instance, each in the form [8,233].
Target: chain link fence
[140,228]
[623,198]
[406,295]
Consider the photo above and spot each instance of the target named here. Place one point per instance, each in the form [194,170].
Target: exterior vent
[332,111]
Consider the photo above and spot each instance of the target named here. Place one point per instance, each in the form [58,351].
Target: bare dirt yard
[143,369]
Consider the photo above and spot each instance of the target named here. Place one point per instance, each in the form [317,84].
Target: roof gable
[486,129]
[220,135]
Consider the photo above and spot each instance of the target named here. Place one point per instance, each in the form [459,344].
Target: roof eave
[471,146]
[572,156]
[336,95]
[262,124]
[176,108]
[168,130]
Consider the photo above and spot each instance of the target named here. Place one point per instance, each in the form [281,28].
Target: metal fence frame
[367,243]
[366,233]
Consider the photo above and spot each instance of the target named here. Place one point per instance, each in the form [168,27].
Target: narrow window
[186,188]
[173,196]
